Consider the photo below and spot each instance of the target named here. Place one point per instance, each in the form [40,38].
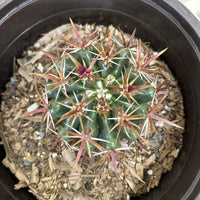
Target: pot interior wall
[153,24]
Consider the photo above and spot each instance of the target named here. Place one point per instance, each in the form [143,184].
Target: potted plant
[144,16]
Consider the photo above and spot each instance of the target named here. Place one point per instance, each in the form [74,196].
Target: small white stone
[38,154]
[52,187]
[132,162]
[39,137]
[37,45]
[32,107]
[167,108]
[31,96]
[65,185]
[40,67]
[54,155]
[29,52]
[163,112]
[37,132]
[26,99]
[159,124]
[150,172]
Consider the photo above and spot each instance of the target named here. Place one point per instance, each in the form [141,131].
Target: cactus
[100,92]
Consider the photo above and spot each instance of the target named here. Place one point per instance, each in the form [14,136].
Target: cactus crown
[101,91]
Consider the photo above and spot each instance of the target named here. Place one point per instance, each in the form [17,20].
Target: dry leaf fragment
[54,34]
[40,53]
[19,113]
[164,153]
[119,186]
[30,158]
[69,156]
[34,174]
[133,173]
[132,186]
[140,169]
[21,184]
[174,153]
[51,164]
[26,74]
[9,164]
[150,160]
[21,176]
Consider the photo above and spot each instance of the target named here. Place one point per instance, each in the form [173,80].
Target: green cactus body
[107,100]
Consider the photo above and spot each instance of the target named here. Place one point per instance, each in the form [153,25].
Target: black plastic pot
[163,23]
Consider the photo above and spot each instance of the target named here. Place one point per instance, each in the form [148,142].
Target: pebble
[37,162]
[54,155]
[177,145]
[88,186]
[163,112]
[13,80]
[65,185]
[26,99]
[26,162]
[29,52]
[159,124]
[150,172]
[167,108]
[31,96]
[40,134]
[40,67]
[38,154]
[157,155]
[37,45]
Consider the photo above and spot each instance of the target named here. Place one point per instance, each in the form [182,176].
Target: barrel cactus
[100,91]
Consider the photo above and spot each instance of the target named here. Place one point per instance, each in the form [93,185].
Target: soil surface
[46,171]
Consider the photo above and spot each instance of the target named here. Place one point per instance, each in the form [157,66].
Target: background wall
[193,6]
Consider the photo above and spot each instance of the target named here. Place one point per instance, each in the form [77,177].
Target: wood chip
[175,153]
[150,160]
[40,53]
[21,184]
[132,185]
[133,172]
[70,157]
[26,74]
